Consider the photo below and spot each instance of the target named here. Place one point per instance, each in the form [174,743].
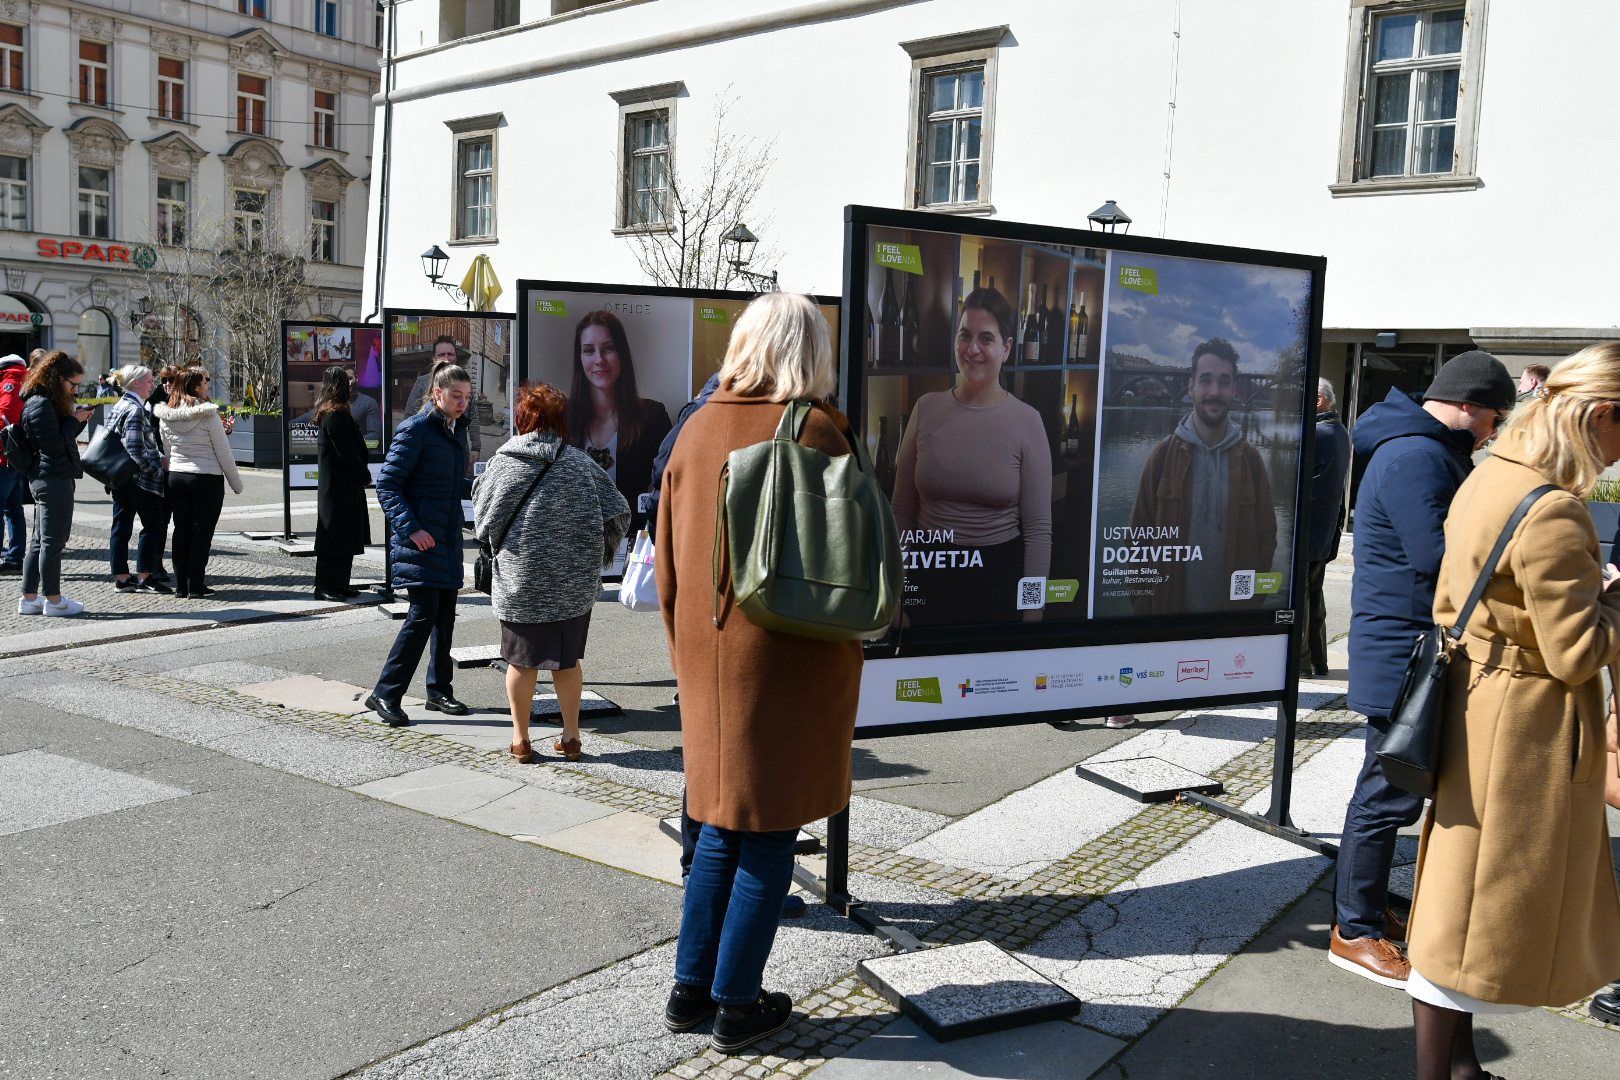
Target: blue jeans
[11,509]
[733,905]
[432,615]
[1378,811]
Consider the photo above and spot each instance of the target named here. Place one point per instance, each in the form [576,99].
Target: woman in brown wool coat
[1515,904]
[767,718]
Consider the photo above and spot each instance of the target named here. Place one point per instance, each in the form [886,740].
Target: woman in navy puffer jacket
[422,485]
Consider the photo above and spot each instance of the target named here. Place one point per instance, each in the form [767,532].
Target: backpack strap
[1489,569]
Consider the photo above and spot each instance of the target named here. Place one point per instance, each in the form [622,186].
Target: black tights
[1445,1043]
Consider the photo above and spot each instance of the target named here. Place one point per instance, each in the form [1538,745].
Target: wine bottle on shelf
[871,330]
[975,281]
[1032,334]
[887,354]
[884,463]
[1043,325]
[910,327]
[1080,337]
[1074,334]
[1071,430]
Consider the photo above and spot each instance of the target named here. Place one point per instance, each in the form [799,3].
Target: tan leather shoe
[521,751]
[1371,958]
[568,748]
[1394,926]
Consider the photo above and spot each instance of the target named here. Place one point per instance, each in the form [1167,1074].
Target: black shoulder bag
[1410,752]
[484,563]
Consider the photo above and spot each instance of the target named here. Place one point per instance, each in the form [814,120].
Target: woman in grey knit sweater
[558,520]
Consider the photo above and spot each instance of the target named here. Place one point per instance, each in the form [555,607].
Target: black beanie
[1474,378]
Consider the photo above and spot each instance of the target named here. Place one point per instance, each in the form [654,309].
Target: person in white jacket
[199,464]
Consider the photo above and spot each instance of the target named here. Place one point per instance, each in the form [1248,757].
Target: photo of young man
[1207,486]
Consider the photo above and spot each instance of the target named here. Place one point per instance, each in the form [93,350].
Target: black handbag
[106,459]
[1410,752]
[484,563]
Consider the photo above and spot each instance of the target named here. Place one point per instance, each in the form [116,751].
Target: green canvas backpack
[811,539]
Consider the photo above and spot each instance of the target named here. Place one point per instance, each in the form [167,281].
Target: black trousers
[1315,654]
[432,615]
[332,572]
[129,503]
[195,499]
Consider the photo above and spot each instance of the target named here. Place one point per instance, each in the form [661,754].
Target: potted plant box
[256,440]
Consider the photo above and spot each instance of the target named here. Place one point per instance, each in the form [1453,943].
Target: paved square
[1055,1050]
[39,789]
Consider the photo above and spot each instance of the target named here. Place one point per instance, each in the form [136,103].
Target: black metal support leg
[834,888]
[1282,764]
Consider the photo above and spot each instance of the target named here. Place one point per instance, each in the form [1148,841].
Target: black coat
[54,438]
[343,526]
[421,486]
[1328,475]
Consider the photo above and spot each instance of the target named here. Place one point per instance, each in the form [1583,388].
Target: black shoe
[792,907]
[347,594]
[1606,1006]
[182,593]
[737,1026]
[163,576]
[152,584]
[129,584]
[10,569]
[200,592]
[392,715]
[688,1007]
[328,596]
[447,705]
[1321,672]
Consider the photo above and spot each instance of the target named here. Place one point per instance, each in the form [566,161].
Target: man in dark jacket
[421,486]
[1329,472]
[1419,456]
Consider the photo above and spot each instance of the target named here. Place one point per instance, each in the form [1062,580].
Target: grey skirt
[549,646]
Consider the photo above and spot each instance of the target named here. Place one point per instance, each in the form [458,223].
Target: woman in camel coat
[1515,902]
[767,718]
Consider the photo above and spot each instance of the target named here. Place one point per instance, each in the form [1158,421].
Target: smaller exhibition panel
[308,350]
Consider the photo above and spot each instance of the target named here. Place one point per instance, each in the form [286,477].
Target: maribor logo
[1192,669]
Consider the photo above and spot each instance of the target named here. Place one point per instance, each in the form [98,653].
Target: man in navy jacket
[1420,455]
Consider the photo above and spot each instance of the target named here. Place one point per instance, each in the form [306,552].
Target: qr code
[1031,593]
[1242,584]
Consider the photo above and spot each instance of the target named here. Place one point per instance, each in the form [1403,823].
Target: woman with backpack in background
[762,757]
[343,525]
[554,520]
[51,423]
[142,497]
[200,462]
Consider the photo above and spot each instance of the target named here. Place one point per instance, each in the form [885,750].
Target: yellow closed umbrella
[481,286]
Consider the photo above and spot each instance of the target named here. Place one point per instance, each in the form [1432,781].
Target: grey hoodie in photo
[1211,489]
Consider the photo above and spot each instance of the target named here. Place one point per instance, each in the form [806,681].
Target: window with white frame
[953,81]
[326,17]
[171,88]
[94,68]
[475,187]
[646,177]
[13,193]
[322,231]
[325,119]
[171,211]
[11,57]
[249,210]
[1411,98]
[95,202]
[252,103]
[254,8]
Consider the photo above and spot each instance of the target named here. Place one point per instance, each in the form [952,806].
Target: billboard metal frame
[287,534]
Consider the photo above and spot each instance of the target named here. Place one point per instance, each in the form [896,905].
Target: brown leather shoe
[568,748]
[1394,926]
[1371,958]
[521,751]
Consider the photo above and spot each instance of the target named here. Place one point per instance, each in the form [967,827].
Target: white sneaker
[66,607]
[1119,721]
[26,606]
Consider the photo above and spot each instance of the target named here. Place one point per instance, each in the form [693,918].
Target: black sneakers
[1606,1006]
[688,1007]
[736,1026]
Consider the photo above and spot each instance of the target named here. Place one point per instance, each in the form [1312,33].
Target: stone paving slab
[39,789]
[339,762]
[1055,1050]
[226,674]
[156,713]
[969,989]
[627,840]
[532,811]
[314,693]
[440,790]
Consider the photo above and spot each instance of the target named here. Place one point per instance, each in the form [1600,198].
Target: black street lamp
[434,262]
[140,313]
[1109,217]
[743,242]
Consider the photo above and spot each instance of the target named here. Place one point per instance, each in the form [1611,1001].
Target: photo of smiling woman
[973,483]
[607,419]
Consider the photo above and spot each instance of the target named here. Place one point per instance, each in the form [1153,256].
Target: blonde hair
[1557,422]
[130,374]
[781,348]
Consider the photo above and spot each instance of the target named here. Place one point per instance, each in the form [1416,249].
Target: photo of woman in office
[973,484]
[617,427]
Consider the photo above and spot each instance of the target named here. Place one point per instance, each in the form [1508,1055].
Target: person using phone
[52,423]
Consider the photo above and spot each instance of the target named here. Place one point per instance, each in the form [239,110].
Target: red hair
[542,407]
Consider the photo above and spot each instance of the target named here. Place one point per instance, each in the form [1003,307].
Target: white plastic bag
[638,590]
